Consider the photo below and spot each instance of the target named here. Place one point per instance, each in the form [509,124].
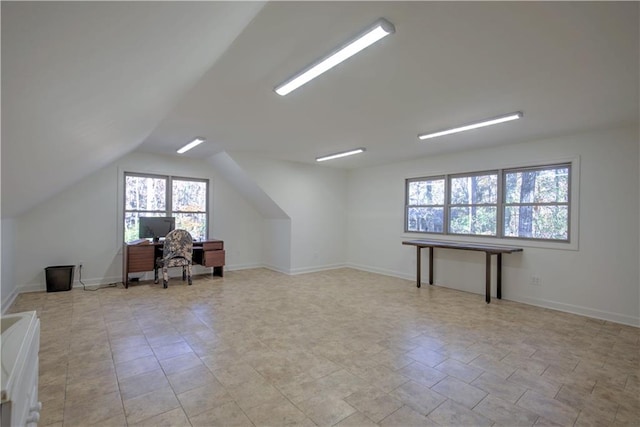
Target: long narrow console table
[142,257]
[487,249]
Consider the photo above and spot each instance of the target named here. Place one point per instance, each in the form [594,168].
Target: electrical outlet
[535,280]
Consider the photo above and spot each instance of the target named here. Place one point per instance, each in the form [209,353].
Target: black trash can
[59,278]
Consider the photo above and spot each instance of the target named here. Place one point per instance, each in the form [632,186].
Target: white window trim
[574,214]
[121,171]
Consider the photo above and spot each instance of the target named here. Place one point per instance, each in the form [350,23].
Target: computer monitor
[155,226]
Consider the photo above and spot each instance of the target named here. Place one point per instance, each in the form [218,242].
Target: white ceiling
[85,83]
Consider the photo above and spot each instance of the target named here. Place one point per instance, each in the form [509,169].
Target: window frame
[443,206]
[169,204]
[573,178]
[450,205]
[568,203]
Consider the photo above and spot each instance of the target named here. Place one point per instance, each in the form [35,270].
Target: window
[524,203]
[537,203]
[474,204]
[189,206]
[186,199]
[425,205]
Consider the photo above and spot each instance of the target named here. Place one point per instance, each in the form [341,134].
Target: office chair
[177,252]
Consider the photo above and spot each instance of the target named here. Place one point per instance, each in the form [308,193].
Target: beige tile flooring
[342,347]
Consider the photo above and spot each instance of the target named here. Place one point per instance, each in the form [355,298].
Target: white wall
[598,278]
[276,233]
[276,244]
[84,223]
[356,218]
[9,287]
[236,221]
[315,198]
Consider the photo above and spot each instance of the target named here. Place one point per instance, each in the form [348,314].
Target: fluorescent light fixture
[380,29]
[476,125]
[190,145]
[342,154]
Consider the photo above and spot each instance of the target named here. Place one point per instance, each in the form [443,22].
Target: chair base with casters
[176,252]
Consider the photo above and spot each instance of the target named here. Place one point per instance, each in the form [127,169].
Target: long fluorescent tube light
[380,29]
[489,122]
[190,145]
[342,154]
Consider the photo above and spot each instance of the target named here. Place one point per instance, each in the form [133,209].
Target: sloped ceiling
[569,66]
[84,83]
[245,185]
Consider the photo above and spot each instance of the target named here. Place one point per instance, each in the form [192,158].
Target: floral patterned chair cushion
[177,252]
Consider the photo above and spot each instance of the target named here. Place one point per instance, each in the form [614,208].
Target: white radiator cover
[20,342]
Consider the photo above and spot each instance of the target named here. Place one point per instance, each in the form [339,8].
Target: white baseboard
[275,268]
[576,309]
[567,308]
[237,267]
[302,270]
[315,269]
[32,287]
[97,281]
[383,271]
[8,300]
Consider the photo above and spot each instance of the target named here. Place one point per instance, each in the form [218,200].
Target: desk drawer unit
[213,246]
[140,258]
[213,258]
[213,253]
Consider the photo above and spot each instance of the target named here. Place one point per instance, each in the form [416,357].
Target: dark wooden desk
[142,257]
[487,249]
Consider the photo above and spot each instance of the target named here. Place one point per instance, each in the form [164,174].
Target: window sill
[523,243]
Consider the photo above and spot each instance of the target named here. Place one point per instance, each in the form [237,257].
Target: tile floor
[342,347]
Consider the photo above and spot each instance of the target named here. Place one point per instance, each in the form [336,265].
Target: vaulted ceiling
[84,83]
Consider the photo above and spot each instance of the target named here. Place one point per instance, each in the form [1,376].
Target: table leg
[488,279]
[430,265]
[418,248]
[499,276]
